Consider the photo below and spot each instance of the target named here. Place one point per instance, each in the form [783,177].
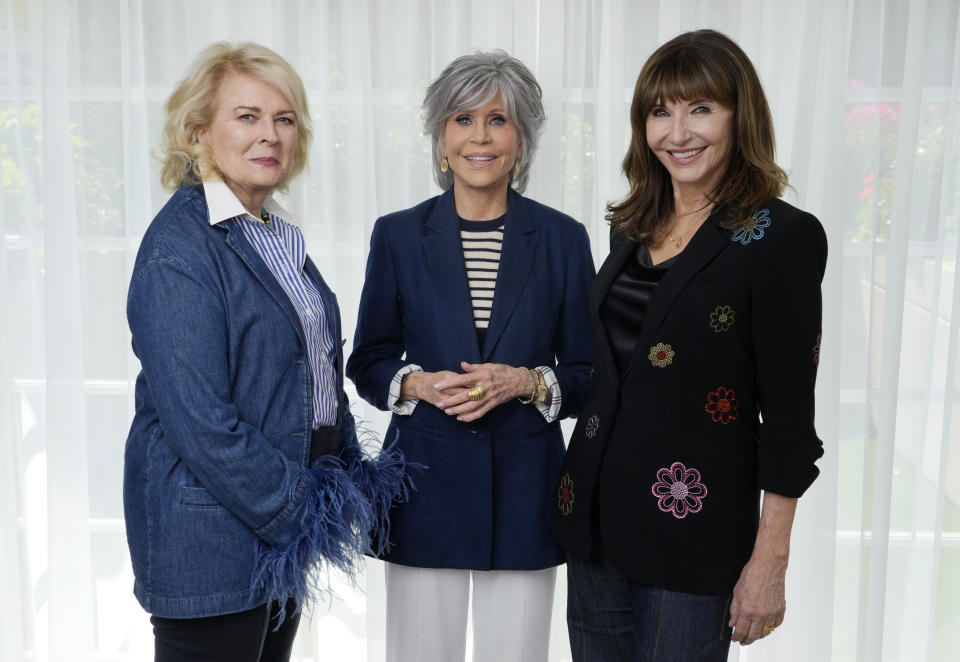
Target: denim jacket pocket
[198,497]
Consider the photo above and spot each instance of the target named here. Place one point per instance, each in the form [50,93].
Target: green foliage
[20,146]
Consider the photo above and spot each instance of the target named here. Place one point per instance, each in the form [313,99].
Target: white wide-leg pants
[427,614]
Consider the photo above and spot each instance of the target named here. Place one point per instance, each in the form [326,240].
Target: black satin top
[625,305]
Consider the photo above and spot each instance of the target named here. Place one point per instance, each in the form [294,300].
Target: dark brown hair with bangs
[703,64]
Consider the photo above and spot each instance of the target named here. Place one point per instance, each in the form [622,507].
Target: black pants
[247,636]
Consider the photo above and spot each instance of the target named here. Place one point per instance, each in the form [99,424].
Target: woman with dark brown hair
[706,326]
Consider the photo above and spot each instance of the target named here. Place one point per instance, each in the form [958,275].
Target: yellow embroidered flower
[661,355]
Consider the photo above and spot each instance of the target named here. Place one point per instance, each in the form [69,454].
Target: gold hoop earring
[516,167]
[444,165]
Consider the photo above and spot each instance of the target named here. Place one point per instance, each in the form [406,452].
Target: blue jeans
[614,619]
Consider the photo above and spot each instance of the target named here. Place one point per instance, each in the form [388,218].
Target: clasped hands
[448,390]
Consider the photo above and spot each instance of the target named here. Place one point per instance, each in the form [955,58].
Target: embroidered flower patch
[565,495]
[816,350]
[679,490]
[722,405]
[722,318]
[752,228]
[593,424]
[661,355]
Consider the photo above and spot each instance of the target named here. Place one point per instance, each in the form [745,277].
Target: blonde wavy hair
[192,105]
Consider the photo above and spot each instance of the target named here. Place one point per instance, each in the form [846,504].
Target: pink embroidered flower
[722,405]
[679,490]
[565,495]
[816,350]
[661,355]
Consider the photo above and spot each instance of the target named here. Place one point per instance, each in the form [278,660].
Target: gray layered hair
[470,82]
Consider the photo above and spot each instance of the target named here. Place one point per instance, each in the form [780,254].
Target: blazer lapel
[703,247]
[520,238]
[444,255]
[255,263]
[603,354]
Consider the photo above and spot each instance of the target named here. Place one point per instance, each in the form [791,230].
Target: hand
[501,383]
[758,599]
[422,386]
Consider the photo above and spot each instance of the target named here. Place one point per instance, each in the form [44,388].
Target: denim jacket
[222,512]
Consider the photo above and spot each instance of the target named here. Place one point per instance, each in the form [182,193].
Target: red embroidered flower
[816,350]
[565,495]
[722,405]
[679,490]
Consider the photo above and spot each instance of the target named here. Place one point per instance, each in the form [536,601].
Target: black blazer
[715,405]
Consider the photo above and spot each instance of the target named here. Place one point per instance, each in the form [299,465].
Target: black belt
[324,441]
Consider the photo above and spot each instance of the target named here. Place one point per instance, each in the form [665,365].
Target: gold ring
[477,392]
[767,629]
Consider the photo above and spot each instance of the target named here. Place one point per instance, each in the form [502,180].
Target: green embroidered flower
[722,318]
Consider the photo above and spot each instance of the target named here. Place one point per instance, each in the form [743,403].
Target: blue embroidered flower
[752,228]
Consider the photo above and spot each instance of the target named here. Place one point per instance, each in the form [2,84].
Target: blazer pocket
[418,430]
[710,275]
[197,497]
[729,441]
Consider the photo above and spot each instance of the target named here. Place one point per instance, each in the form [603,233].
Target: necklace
[265,217]
[678,240]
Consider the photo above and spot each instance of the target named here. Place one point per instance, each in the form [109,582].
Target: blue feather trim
[349,503]
[384,481]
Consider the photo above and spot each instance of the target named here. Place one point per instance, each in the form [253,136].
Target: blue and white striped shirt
[283,249]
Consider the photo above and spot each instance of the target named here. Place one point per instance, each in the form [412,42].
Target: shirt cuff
[396,405]
[552,410]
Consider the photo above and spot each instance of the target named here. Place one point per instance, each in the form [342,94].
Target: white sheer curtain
[865,97]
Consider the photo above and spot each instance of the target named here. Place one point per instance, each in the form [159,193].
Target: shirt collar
[222,204]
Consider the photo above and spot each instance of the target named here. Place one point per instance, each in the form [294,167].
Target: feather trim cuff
[345,516]
[384,481]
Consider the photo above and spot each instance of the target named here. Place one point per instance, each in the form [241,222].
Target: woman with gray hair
[472,331]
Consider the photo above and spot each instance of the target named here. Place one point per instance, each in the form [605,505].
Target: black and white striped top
[482,242]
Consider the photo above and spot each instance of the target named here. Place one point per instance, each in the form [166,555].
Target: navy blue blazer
[483,502]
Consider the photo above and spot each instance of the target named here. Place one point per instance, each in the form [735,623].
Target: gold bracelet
[542,389]
[534,392]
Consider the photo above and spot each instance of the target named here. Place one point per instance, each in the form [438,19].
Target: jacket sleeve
[378,343]
[179,332]
[572,344]
[786,325]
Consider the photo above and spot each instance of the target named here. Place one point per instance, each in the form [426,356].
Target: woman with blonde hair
[242,469]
